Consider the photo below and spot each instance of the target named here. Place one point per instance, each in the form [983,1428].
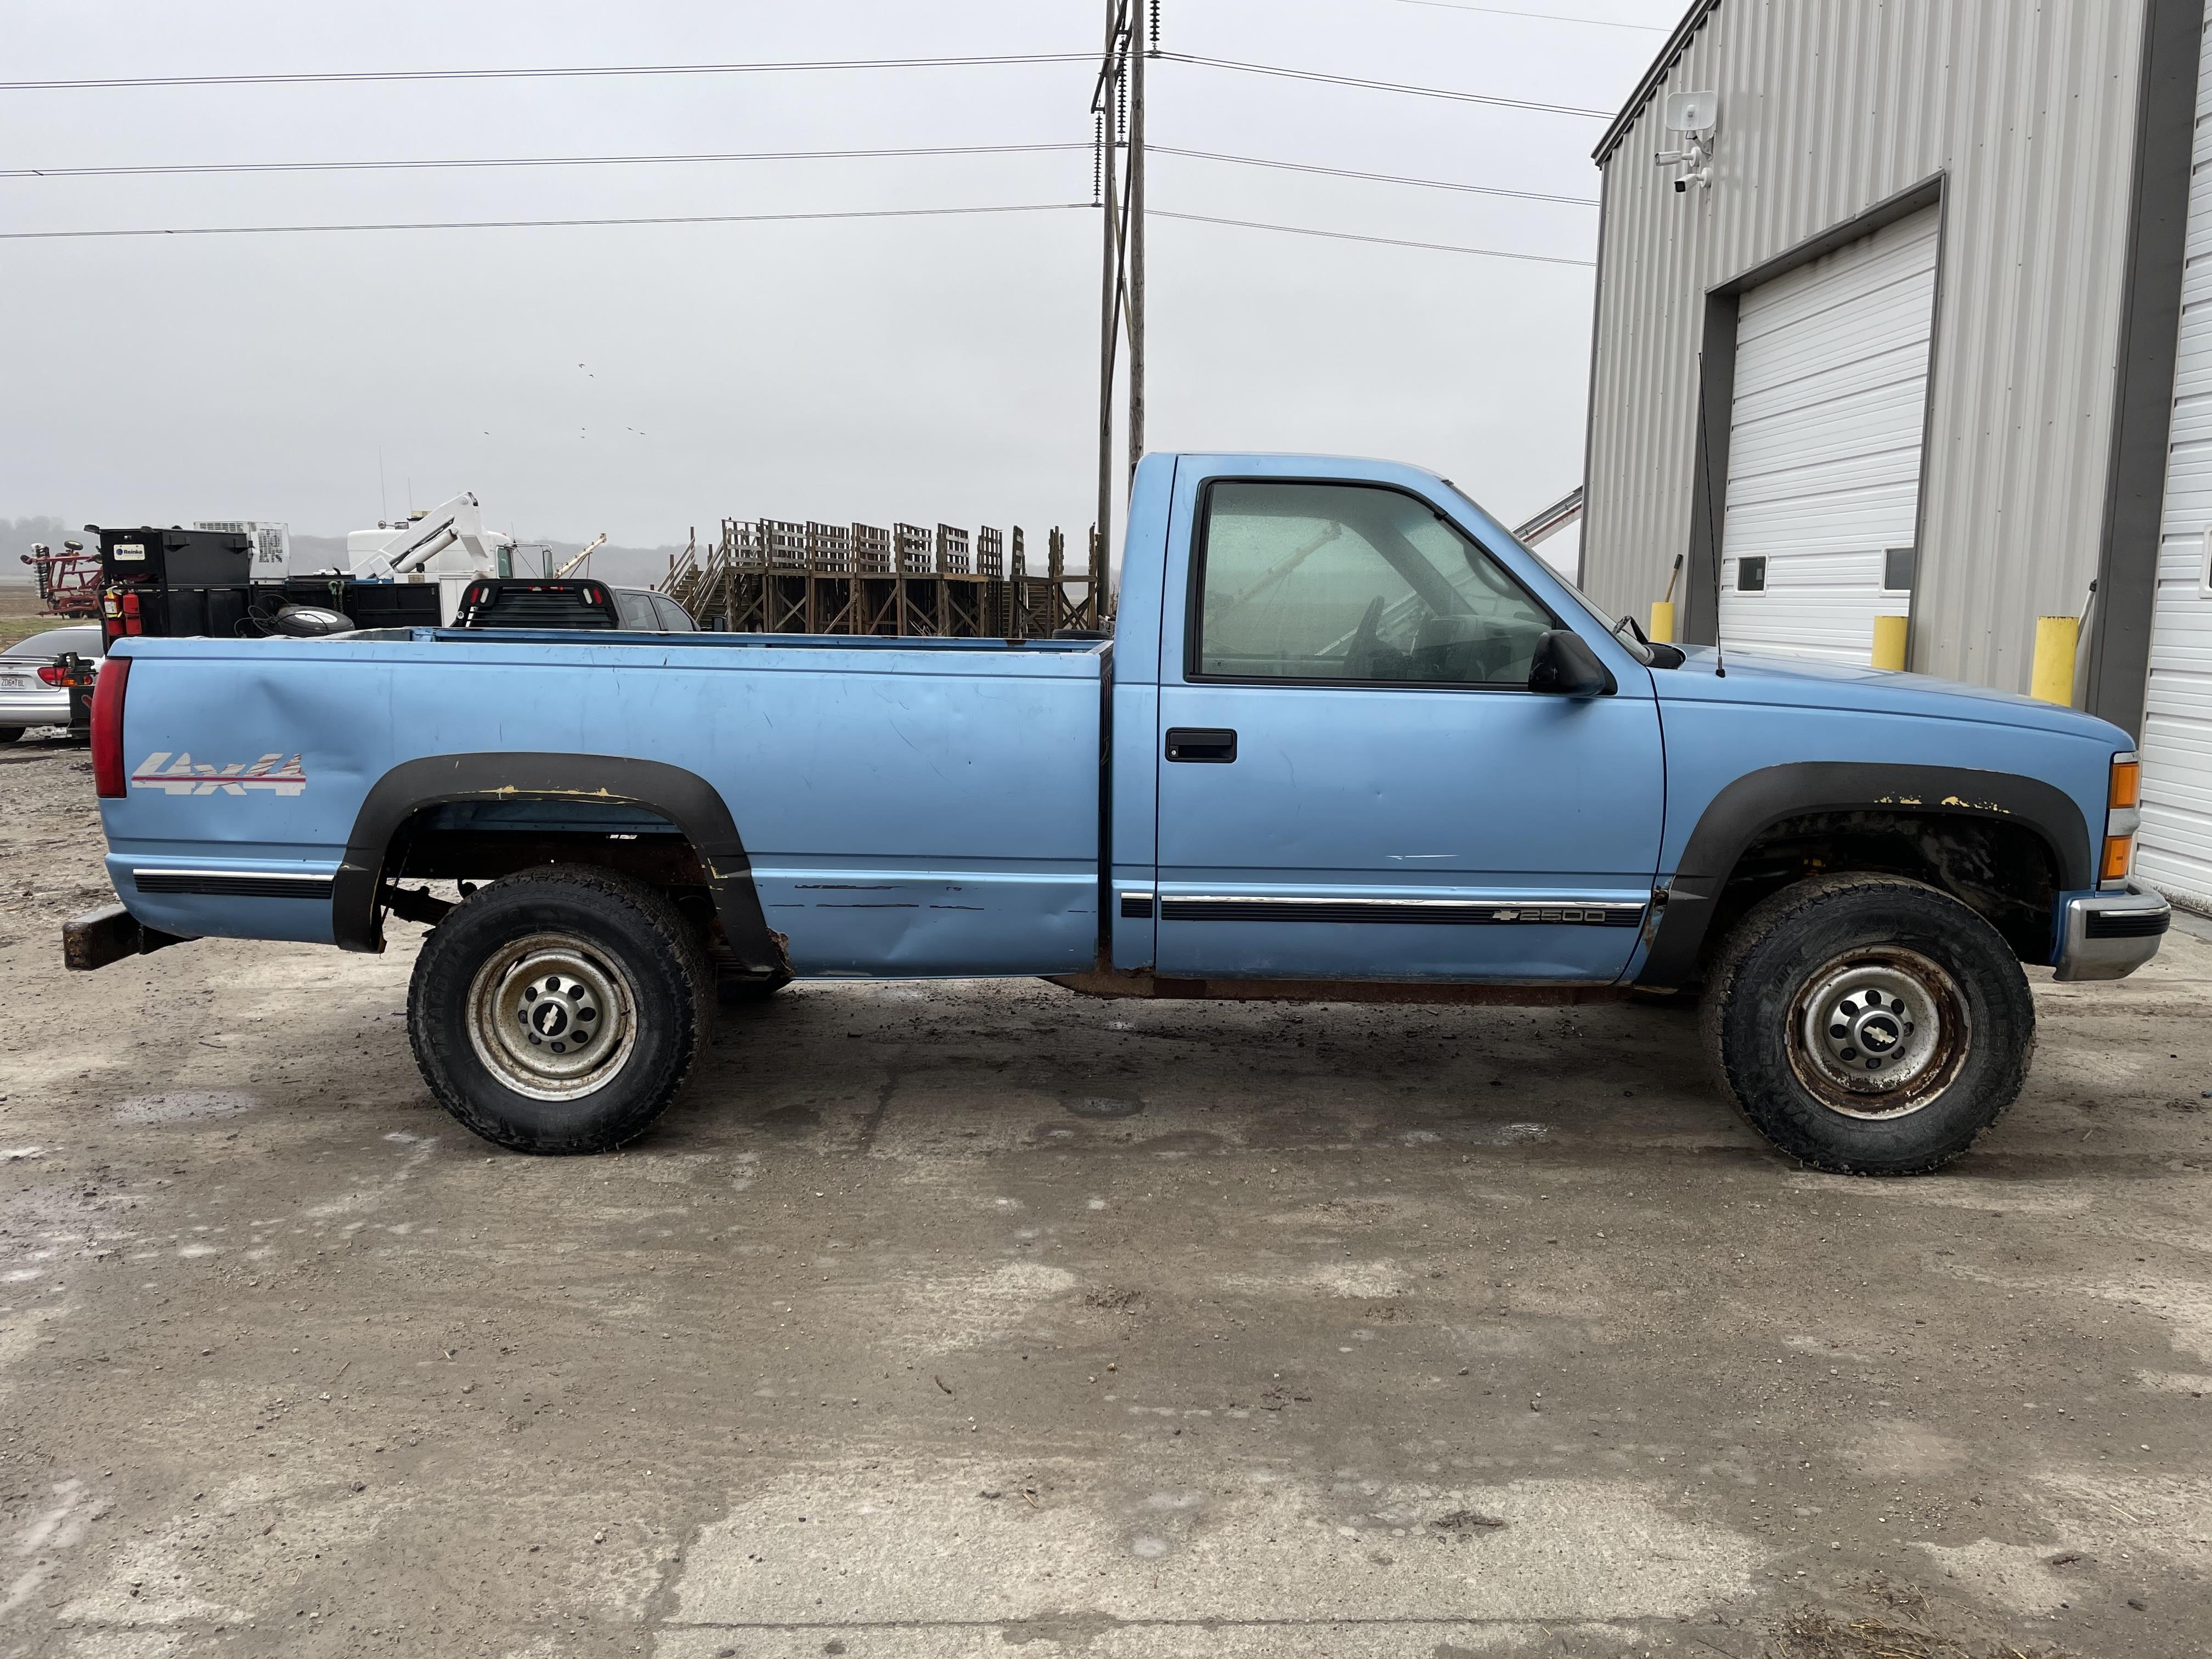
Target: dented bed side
[905,808]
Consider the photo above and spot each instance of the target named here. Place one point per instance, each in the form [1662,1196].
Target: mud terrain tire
[559,1010]
[1868,1025]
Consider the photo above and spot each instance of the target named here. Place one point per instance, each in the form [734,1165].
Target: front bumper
[2110,935]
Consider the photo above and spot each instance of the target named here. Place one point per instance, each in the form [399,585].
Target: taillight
[53,674]
[108,778]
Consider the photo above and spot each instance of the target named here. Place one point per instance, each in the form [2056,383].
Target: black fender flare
[695,806]
[1757,801]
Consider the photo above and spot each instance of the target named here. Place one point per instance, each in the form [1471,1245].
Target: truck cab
[1359,769]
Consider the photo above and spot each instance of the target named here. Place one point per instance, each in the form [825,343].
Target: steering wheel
[1360,657]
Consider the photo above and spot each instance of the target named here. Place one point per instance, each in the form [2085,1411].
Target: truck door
[1355,779]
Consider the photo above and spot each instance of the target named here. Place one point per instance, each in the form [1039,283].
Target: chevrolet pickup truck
[1350,742]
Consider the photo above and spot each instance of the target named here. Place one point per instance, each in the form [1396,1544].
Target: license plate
[16,681]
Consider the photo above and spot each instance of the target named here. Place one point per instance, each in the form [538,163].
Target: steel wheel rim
[1879,1033]
[552,1019]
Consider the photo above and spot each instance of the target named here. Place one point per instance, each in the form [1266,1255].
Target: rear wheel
[1868,1025]
[559,1010]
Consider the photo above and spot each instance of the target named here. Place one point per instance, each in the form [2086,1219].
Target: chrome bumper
[43,706]
[2110,935]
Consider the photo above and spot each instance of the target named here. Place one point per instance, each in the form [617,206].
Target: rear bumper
[44,706]
[2110,935]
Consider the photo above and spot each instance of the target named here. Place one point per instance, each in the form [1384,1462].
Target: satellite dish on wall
[1693,112]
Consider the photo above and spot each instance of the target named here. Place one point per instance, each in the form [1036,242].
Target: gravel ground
[962,1318]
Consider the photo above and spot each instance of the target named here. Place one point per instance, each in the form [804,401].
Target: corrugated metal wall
[2174,851]
[1828,108]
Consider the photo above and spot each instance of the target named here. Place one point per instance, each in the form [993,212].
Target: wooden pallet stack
[782,576]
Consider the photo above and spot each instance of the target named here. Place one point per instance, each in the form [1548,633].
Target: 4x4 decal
[181,776]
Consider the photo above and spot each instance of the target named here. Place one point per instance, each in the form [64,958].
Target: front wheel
[1868,1025]
[559,1010]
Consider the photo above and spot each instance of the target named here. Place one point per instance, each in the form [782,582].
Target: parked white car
[27,697]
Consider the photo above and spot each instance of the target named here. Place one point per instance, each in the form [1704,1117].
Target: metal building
[1899,330]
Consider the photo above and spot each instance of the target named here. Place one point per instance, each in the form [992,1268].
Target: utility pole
[1137,48]
[1103,102]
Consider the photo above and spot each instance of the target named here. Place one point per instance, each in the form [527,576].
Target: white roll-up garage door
[1824,447]
[2174,852]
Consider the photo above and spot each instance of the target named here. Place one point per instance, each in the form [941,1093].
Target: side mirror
[1565,667]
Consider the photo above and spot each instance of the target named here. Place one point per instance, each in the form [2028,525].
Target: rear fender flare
[684,798]
[1759,800]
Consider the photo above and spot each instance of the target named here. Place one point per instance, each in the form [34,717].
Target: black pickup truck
[575,602]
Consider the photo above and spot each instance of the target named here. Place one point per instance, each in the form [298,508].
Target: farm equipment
[69,582]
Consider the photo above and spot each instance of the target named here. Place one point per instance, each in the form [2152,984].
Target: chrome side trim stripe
[1554,912]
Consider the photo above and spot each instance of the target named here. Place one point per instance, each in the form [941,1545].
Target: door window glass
[674,618]
[635,611]
[1315,581]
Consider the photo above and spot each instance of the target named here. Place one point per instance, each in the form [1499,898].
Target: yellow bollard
[1663,619]
[1889,637]
[2057,639]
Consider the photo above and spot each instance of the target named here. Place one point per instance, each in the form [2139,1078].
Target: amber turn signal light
[2119,851]
[2127,782]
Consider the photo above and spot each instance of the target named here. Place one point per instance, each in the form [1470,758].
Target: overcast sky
[640,380]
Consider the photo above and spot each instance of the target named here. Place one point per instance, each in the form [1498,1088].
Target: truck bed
[908,807]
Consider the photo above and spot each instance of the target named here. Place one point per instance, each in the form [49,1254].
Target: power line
[176,168]
[1379,177]
[1385,241]
[379,77]
[337,76]
[1391,86]
[1542,16]
[523,224]
[528,161]
[770,218]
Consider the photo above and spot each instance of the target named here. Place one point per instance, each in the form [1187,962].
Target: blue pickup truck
[1350,742]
